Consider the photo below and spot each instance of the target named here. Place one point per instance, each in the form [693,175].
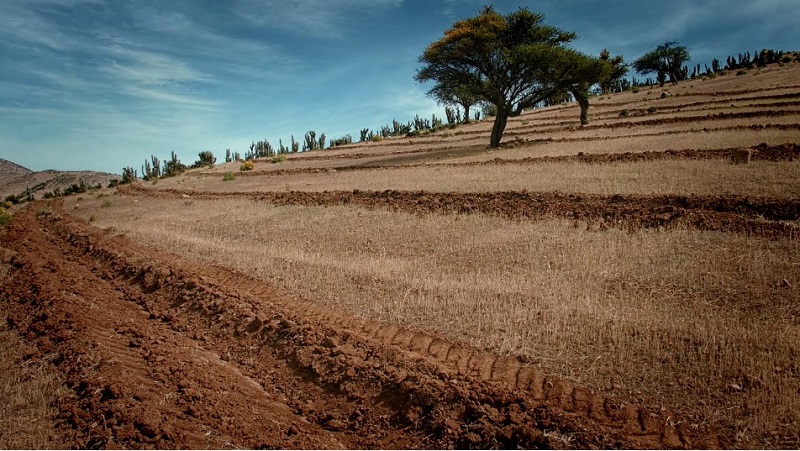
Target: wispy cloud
[310,18]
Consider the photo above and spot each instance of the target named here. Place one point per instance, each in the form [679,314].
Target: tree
[617,70]
[512,62]
[454,94]
[666,60]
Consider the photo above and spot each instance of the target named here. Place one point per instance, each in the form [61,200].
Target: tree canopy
[512,62]
[666,60]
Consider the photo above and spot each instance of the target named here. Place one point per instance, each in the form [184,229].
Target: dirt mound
[756,216]
[163,352]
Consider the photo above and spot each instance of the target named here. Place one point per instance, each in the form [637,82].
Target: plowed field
[619,285]
[164,352]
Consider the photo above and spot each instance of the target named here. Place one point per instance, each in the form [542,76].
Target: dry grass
[679,319]
[759,178]
[27,403]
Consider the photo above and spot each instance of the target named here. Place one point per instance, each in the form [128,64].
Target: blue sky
[102,84]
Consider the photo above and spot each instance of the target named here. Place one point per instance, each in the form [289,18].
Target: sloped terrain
[368,296]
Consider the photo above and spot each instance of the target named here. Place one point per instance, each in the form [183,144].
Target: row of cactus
[312,143]
[453,115]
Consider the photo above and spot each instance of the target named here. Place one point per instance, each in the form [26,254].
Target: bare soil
[162,352]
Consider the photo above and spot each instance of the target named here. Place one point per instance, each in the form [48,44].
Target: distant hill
[11,168]
[16,179]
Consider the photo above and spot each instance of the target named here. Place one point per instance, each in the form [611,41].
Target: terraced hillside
[621,284]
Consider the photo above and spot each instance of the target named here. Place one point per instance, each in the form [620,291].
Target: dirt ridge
[760,216]
[762,152]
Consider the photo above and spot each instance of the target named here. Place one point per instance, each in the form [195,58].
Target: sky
[104,84]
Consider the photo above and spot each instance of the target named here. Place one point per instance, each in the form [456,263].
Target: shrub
[741,72]
[7,204]
[5,217]
[247,166]
[624,113]
[377,138]
[228,176]
[91,218]
[106,204]
[635,89]
[277,159]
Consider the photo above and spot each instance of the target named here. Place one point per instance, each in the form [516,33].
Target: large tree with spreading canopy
[511,61]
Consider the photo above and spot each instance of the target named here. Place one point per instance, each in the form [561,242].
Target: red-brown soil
[162,352]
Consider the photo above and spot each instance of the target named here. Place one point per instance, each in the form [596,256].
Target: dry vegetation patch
[31,390]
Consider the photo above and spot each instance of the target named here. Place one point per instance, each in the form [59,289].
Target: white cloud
[314,18]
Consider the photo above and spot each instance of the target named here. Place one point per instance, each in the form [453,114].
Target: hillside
[15,179]
[633,283]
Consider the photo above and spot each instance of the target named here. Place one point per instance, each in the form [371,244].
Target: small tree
[666,60]
[454,94]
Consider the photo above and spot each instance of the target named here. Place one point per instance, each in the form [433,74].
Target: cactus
[310,141]
[128,175]
[321,142]
[174,166]
[451,115]
[295,145]
[228,157]
[435,122]
[364,133]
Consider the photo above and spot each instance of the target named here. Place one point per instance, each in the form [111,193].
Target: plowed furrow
[233,364]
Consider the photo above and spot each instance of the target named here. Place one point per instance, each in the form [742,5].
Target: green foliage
[260,149]
[512,62]
[277,159]
[106,204]
[613,81]
[344,140]
[247,166]
[667,60]
[205,158]
[5,217]
[174,166]
[151,169]
[228,176]
[128,175]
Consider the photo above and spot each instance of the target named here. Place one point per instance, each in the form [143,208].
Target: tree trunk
[466,113]
[583,101]
[499,126]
